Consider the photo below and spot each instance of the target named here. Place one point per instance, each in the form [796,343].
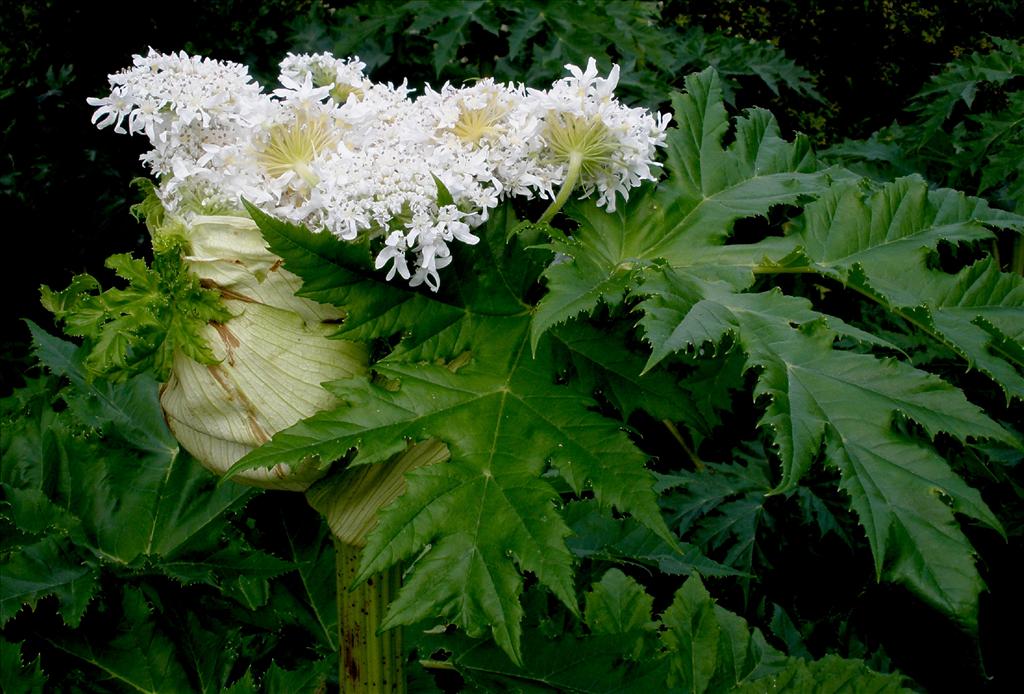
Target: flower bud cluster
[336,152]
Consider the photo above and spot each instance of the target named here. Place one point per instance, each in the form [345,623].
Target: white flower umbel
[399,201]
[333,151]
[599,143]
[178,101]
[485,139]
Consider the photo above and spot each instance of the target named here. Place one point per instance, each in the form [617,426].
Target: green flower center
[586,139]
[477,123]
[323,76]
[293,146]
[584,145]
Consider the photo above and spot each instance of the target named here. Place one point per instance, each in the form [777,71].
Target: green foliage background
[251,574]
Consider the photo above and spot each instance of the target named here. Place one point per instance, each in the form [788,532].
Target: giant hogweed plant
[480,447]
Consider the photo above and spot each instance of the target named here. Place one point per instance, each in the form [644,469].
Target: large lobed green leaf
[687,219]
[879,241]
[97,526]
[821,403]
[139,656]
[102,483]
[903,492]
[462,373]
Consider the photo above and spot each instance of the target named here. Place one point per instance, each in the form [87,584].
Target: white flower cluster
[334,151]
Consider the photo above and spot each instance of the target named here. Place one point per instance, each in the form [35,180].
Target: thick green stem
[571,178]
[370,661]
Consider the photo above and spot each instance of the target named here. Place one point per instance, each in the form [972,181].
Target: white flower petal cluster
[343,77]
[615,145]
[336,152]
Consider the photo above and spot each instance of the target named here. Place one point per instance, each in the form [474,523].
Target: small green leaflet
[935,102]
[625,542]
[139,328]
[721,505]
[53,566]
[733,56]
[16,675]
[450,26]
[618,606]
[602,362]
[463,373]
[444,196]
[207,651]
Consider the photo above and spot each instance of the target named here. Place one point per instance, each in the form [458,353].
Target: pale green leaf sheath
[270,356]
[463,374]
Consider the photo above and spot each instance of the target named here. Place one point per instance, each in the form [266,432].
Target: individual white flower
[112,109]
[394,253]
[304,95]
